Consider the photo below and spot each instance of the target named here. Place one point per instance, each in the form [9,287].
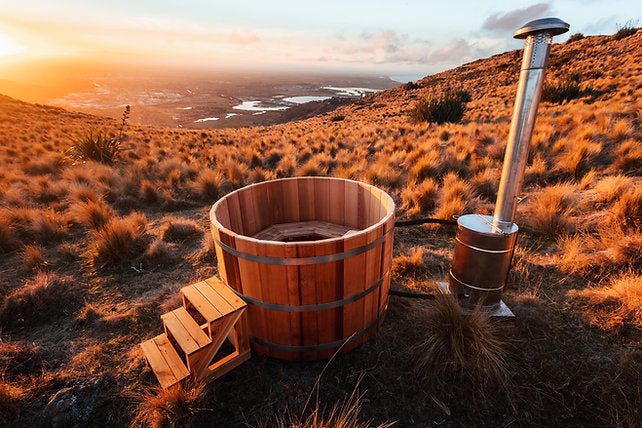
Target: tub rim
[214,221]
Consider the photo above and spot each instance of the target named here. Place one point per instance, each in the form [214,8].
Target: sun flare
[9,46]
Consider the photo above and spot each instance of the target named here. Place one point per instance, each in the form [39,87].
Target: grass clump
[614,306]
[178,230]
[32,256]
[13,398]
[40,299]
[97,145]
[168,407]
[8,239]
[575,37]
[548,211]
[408,263]
[93,214]
[457,346]
[208,185]
[420,198]
[159,253]
[449,107]
[119,240]
[626,30]
[342,415]
[560,91]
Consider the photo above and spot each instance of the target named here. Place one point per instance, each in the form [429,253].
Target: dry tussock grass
[456,197]
[178,230]
[420,198]
[456,346]
[345,414]
[614,306]
[41,298]
[159,253]
[208,185]
[549,211]
[408,263]
[121,239]
[33,257]
[175,406]
[92,213]
[13,398]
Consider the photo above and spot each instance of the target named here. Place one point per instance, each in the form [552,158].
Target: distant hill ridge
[600,61]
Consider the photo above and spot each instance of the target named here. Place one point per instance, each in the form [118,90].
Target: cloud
[514,19]
[386,48]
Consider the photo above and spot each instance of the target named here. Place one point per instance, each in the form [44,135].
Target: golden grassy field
[93,253]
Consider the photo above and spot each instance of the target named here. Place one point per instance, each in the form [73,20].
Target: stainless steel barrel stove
[484,245]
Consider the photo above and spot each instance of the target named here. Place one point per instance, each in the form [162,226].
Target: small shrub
[560,91]
[446,108]
[178,230]
[626,30]
[337,118]
[461,95]
[575,37]
[97,145]
[121,239]
[41,298]
[410,86]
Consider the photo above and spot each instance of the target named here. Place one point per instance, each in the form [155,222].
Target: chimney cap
[553,26]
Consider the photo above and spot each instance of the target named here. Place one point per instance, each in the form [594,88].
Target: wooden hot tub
[311,257]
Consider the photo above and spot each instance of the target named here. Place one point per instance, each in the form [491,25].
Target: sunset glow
[414,37]
[8,46]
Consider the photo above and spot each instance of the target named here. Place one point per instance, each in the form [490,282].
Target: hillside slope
[75,302]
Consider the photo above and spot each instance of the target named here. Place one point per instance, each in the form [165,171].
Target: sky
[374,36]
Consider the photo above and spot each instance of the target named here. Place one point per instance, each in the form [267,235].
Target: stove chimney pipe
[539,35]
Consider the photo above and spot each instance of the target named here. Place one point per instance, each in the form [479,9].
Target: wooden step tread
[226,293]
[164,360]
[202,304]
[187,333]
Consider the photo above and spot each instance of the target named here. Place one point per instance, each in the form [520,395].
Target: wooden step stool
[194,333]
